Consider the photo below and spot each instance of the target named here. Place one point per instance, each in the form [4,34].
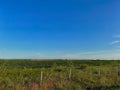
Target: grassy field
[59,75]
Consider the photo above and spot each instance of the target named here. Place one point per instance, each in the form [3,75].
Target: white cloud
[115,42]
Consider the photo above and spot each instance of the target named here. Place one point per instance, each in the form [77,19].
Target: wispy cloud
[115,42]
[117,36]
[118,46]
[100,54]
[105,54]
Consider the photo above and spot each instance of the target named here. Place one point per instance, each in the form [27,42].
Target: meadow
[59,74]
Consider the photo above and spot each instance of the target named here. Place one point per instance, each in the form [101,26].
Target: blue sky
[60,29]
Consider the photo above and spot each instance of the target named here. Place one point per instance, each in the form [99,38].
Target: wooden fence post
[99,72]
[41,78]
[70,74]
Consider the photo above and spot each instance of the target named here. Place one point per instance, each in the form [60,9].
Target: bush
[83,66]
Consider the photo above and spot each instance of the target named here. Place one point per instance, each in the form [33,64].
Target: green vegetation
[59,75]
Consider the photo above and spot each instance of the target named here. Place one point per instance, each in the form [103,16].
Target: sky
[70,29]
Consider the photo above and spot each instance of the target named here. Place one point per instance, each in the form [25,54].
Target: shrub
[83,66]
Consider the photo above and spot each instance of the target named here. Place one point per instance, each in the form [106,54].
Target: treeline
[51,63]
